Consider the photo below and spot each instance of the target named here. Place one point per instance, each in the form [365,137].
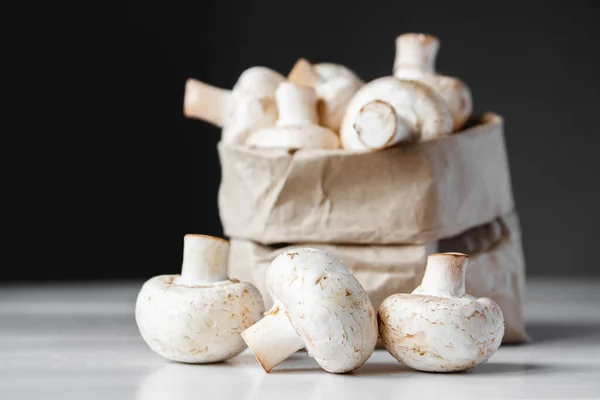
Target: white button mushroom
[198,316]
[250,105]
[334,84]
[297,124]
[439,328]
[318,305]
[388,110]
[415,60]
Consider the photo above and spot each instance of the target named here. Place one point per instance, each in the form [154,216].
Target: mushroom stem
[296,105]
[303,73]
[205,260]
[445,275]
[268,350]
[416,50]
[377,125]
[205,102]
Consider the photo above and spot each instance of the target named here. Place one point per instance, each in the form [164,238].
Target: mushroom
[334,84]
[388,110]
[439,328]
[318,305]
[248,106]
[297,126]
[197,316]
[415,60]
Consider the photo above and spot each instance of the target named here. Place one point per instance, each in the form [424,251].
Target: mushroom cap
[313,75]
[334,96]
[458,96]
[252,105]
[196,324]
[453,90]
[335,88]
[334,84]
[247,113]
[416,104]
[327,71]
[299,136]
[258,81]
[440,334]
[327,307]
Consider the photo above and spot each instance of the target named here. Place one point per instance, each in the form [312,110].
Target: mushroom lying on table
[318,305]
[197,317]
[439,328]
[297,124]
[334,85]
[388,110]
[415,60]
[250,105]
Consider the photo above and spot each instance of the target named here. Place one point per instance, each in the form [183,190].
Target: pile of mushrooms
[328,106]
[202,316]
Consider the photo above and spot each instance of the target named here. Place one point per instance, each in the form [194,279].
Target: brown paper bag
[407,194]
[496,267]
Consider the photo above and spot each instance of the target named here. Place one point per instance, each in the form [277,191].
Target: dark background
[534,62]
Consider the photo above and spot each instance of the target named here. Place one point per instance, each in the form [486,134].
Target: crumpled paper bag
[496,266]
[407,194]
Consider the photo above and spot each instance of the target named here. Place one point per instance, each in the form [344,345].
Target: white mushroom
[248,106]
[297,126]
[197,317]
[388,110]
[334,84]
[318,305]
[439,328]
[415,60]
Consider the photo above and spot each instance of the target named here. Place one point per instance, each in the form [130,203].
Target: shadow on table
[373,368]
[368,369]
[550,332]
[387,369]
[491,368]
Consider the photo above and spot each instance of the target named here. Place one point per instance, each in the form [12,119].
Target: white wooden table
[81,342]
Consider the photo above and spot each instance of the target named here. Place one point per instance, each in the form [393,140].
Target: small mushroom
[439,328]
[388,110]
[197,317]
[318,305]
[248,106]
[297,126]
[334,84]
[415,60]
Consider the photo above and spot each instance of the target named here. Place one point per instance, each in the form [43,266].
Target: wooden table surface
[80,341]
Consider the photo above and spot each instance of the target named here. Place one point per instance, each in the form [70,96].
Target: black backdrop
[534,62]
